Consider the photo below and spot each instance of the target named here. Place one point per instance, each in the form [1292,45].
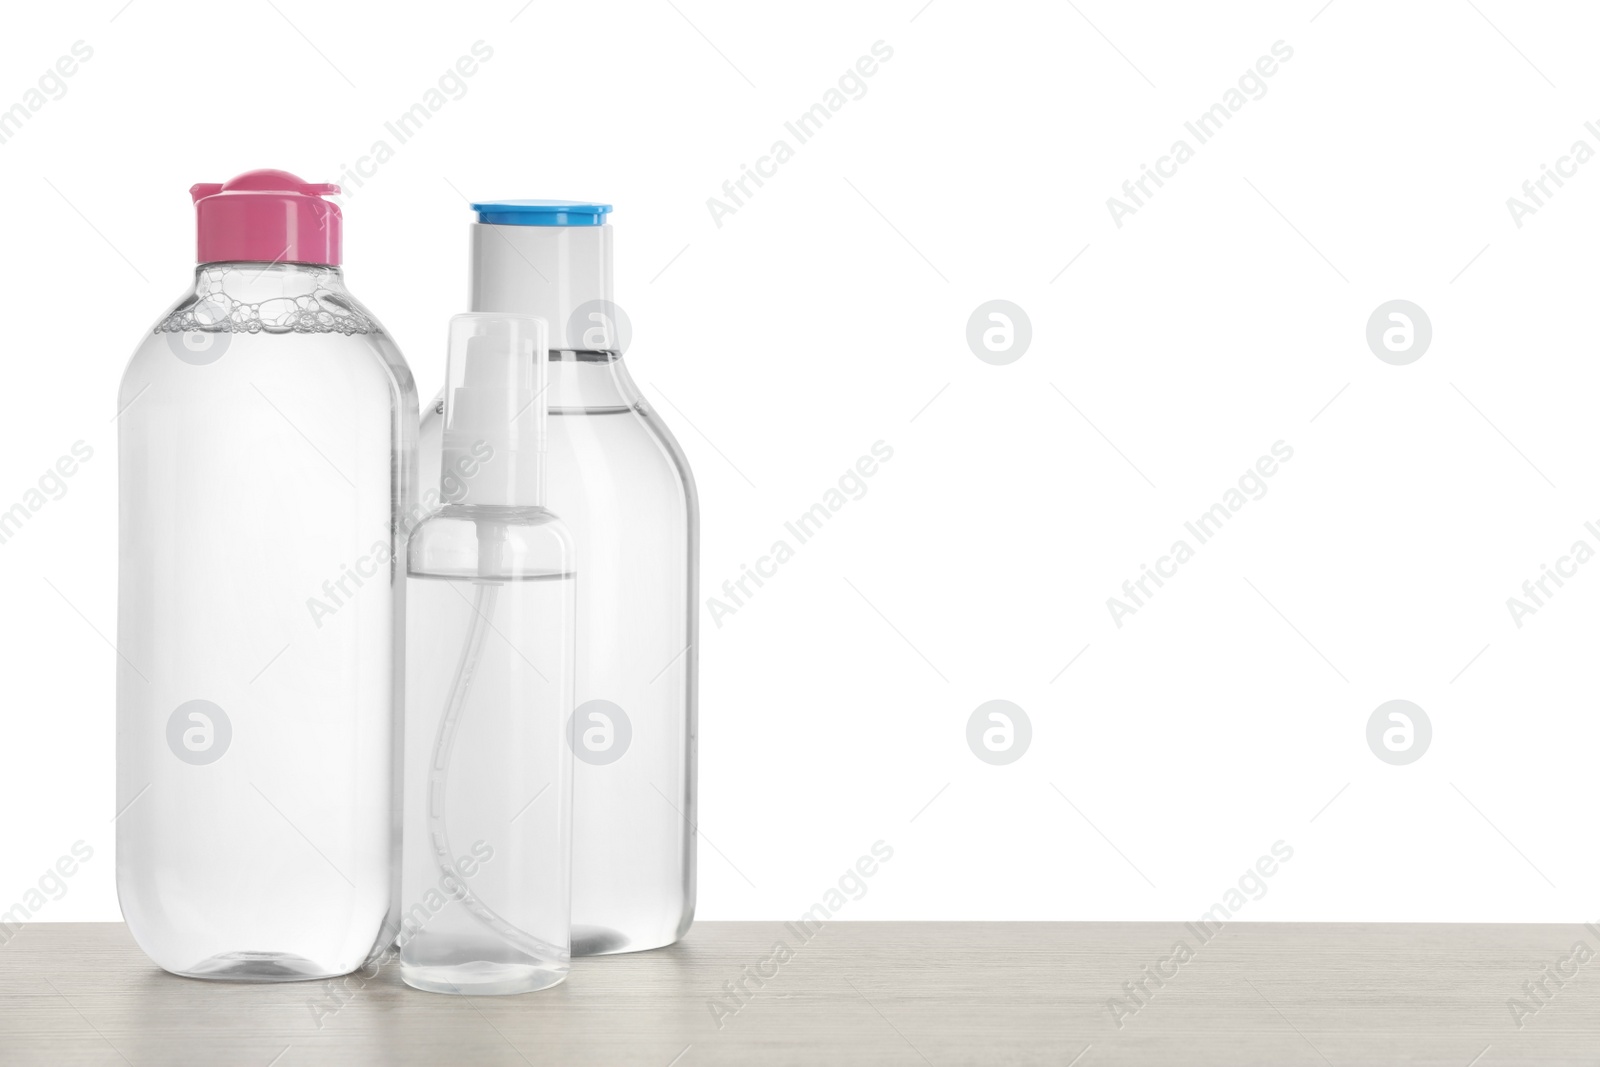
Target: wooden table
[856,993]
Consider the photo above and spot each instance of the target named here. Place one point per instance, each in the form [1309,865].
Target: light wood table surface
[855,993]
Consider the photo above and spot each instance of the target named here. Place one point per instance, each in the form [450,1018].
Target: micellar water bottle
[620,482]
[488,797]
[267,437]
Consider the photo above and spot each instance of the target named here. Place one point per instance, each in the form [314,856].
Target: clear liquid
[486,872]
[632,868]
[260,486]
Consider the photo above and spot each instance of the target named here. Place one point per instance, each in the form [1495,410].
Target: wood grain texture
[855,993]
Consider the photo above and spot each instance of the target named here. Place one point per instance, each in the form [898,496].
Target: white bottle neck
[550,272]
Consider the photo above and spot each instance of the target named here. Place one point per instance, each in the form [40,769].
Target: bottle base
[258,967]
[483,979]
[603,941]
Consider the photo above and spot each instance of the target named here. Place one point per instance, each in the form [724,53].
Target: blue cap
[542,213]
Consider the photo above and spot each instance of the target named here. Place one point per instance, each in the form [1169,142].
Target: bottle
[267,434]
[620,482]
[489,676]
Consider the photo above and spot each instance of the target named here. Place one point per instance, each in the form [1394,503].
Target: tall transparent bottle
[266,435]
[489,677]
[621,483]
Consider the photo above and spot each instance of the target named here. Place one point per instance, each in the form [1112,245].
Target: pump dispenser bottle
[489,676]
[620,482]
[266,436]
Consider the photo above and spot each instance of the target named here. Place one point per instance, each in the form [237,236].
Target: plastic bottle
[266,431]
[620,482]
[489,677]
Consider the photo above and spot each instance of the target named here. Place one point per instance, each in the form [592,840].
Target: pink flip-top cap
[268,216]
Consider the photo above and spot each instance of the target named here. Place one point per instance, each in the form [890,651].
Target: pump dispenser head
[494,410]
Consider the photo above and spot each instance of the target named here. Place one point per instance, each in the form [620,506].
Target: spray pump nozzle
[494,410]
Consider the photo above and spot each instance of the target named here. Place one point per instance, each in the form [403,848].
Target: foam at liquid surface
[306,303]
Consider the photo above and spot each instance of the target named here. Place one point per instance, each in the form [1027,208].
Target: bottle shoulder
[641,427]
[491,541]
[672,455]
[258,312]
[531,520]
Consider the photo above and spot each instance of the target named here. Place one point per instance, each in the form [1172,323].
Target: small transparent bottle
[266,438]
[485,883]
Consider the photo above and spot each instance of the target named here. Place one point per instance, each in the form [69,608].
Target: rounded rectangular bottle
[622,485]
[266,435]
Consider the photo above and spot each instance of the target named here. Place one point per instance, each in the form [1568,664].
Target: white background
[829,313]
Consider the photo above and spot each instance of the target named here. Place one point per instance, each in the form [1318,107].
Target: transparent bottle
[489,685]
[266,435]
[621,484]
